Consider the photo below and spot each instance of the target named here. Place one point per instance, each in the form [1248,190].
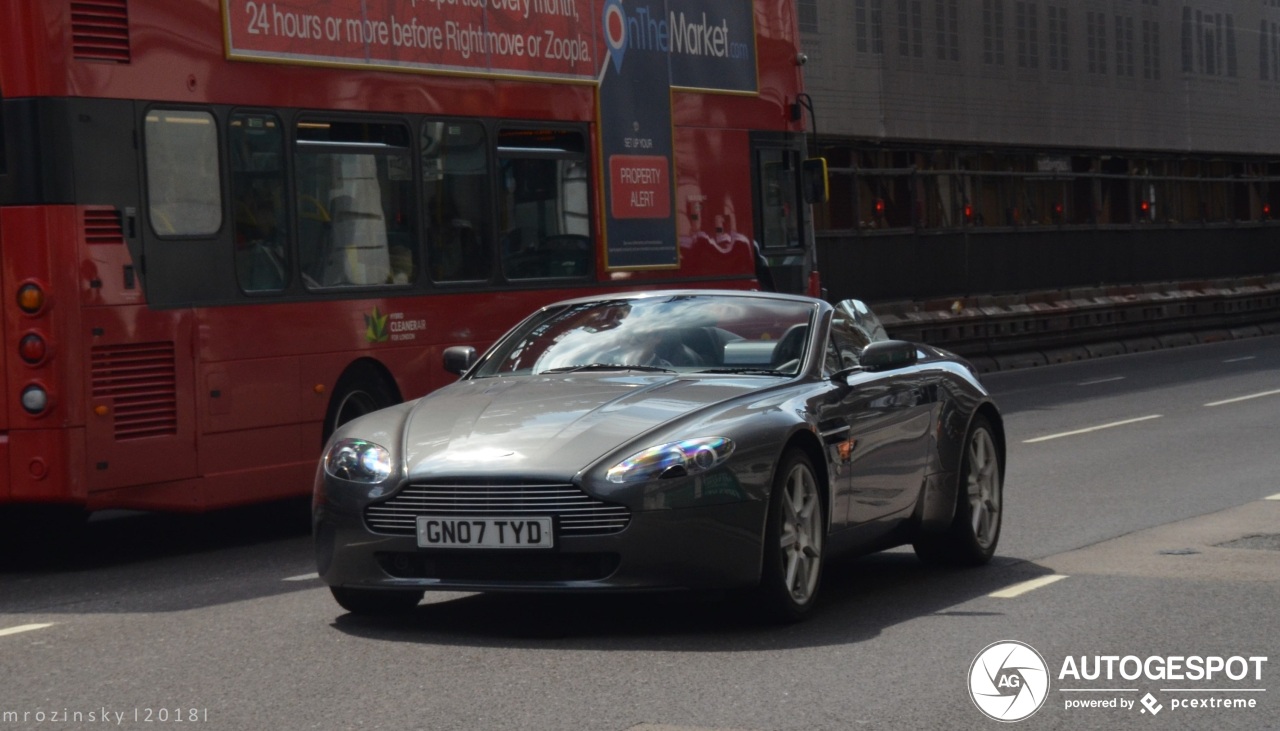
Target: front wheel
[971,538]
[794,538]
[376,601]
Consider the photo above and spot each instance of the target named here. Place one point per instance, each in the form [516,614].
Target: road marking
[23,628]
[1238,399]
[1112,379]
[1093,429]
[1240,360]
[303,577]
[1026,586]
[1273,497]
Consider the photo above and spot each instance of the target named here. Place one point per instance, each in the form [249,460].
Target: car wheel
[376,601]
[794,537]
[974,532]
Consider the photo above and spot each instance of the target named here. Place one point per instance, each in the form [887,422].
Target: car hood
[550,427]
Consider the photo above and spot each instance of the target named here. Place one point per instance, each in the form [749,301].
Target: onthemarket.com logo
[1008,681]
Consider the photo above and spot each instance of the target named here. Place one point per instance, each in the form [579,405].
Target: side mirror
[459,358]
[884,355]
[813,180]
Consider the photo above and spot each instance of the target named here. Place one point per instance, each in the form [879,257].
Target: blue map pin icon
[615,32]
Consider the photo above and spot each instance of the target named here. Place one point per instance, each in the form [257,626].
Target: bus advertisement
[227,226]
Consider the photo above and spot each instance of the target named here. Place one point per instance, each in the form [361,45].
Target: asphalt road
[1136,504]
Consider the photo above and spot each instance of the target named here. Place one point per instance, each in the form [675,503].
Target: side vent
[100,30]
[140,381]
[102,226]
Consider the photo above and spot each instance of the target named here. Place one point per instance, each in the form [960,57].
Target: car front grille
[576,512]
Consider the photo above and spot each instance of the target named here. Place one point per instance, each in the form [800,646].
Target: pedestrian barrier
[1000,332]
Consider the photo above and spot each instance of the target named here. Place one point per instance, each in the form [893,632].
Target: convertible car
[664,440]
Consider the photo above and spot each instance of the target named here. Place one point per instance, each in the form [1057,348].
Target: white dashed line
[303,577]
[1272,497]
[23,628]
[1240,360]
[1026,586]
[1112,379]
[1093,429]
[1238,399]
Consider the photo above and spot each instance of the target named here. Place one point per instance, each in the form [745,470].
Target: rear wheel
[794,538]
[971,538]
[376,601]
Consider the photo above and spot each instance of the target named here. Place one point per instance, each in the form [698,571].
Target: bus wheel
[362,390]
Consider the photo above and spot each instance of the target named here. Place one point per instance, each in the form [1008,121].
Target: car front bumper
[707,547]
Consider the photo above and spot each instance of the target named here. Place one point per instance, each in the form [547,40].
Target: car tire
[795,534]
[376,601]
[971,538]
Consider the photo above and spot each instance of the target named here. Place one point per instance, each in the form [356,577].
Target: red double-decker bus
[228,226]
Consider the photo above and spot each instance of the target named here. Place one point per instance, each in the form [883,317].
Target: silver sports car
[664,440]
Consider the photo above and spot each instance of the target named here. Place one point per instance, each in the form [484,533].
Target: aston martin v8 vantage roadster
[664,440]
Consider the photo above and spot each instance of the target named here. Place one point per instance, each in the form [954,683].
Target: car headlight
[358,461]
[677,459]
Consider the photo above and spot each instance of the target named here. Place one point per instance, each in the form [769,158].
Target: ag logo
[1008,681]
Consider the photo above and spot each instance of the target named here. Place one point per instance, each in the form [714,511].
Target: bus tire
[362,390]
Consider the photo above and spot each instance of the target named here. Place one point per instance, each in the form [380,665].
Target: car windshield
[682,333]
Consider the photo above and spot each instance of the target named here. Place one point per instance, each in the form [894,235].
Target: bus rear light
[32,348]
[35,400]
[30,298]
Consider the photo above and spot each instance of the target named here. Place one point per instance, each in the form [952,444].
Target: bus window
[183,181]
[455,185]
[257,199]
[779,211]
[355,205]
[545,211]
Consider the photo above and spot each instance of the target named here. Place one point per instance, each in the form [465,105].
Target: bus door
[140,426]
[784,222]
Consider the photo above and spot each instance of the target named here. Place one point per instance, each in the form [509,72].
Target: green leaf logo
[375,327]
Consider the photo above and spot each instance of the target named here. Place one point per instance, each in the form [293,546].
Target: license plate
[463,532]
